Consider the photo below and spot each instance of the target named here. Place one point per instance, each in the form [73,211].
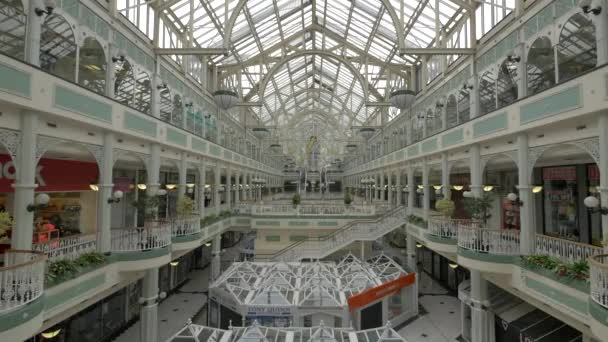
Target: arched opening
[487,93]
[13,23]
[540,66]
[460,180]
[92,66]
[143,91]
[577,48]
[507,83]
[124,82]
[451,112]
[464,105]
[166,105]
[435,193]
[177,114]
[418,189]
[500,177]
[58,47]
[134,209]
[562,177]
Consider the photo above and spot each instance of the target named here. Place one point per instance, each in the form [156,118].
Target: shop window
[12,34]
[143,92]
[92,66]
[166,105]
[540,66]
[560,197]
[464,106]
[507,83]
[58,47]
[451,112]
[577,50]
[487,93]
[124,82]
[177,114]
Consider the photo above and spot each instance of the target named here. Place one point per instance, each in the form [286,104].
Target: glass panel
[177,115]
[166,105]
[143,91]
[560,198]
[124,83]
[487,93]
[464,105]
[540,66]
[507,83]
[451,111]
[12,28]
[576,51]
[58,47]
[92,66]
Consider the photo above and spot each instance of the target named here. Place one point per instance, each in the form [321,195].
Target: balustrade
[565,250]
[598,266]
[152,236]
[186,226]
[69,247]
[491,241]
[21,278]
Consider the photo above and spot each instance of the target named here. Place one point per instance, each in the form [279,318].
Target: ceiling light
[174,263]
[51,333]
[94,187]
[225,99]
[453,265]
[170,186]
[437,187]
[537,188]
[488,188]
[141,186]
[457,187]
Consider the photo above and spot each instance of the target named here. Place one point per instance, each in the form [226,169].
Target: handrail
[566,250]
[21,278]
[446,227]
[598,267]
[69,247]
[153,235]
[329,236]
[187,225]
[491,241]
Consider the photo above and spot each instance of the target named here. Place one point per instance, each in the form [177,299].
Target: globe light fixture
[402,98]
[367,132]
[225,99]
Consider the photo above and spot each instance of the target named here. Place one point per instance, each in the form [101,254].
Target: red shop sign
[386,289]
[52,174]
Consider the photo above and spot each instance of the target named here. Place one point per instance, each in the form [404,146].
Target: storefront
[446,272]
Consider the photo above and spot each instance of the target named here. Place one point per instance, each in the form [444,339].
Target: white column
[601,33]
[527,231]
[228,190]
[382,187]
[411,252]
[445,176]
[237,192]
[216,189]
[32,33]
[25,183]
[399,188]
[482,320]
[216,248]
[153,171]
[411,189]
[183,171]
[149,309]
[603,134]
[475,166]
[389,188]
[104,212]
[202,171]
[426,198]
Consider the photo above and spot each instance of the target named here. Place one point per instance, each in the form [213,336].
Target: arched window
[577,50]
[166,106]
[92,66]
[143,91]
[451,112]
[58,47]
[177,114]
[124,82]
[464,105]
[430,122]
[507,83]
[12,28]
[540,66]
[487,93]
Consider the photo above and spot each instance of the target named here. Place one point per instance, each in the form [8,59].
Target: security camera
[49,6]
[590,6]
[120,58]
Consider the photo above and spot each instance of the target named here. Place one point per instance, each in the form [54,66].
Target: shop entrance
[371,317]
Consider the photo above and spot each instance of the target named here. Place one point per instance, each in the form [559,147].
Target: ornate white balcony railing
[447,228]
[321,247]
[313,210]
[152,236]
[598,266]
[186,226]
[21,279]
[491,241]
[70,247]
[566,250]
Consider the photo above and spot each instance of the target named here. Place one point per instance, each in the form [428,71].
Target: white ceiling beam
[191,51]
[438,51]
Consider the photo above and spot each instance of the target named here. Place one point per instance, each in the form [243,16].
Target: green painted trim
[557,103]
[71,292]
[176,137]
[438,239]
[327,223]
[452,138]
[273,238]
[142,255]
[580,285]
[187,238]
[14,81]
[227,154]
[80,104]
[413,151]
[493,124]
[487,257]
[22,315]
[80,273]
[136,123]
[199,145]
[598,312]
[556,295]
[215,150]
[298,223]
[243,221]
[429,145]
[296,238]
[267,223]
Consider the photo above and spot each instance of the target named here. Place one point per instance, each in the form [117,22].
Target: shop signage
[269,310]
[52,174]
[375,293]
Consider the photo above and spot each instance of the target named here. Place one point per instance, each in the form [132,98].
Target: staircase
[321,247]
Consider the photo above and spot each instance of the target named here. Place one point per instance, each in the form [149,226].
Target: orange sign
[380,291]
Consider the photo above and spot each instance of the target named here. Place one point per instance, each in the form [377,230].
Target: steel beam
[437,51]
[191,51]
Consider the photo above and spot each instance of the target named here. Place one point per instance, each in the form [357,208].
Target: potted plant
[446,207]
[295,200]
[185,207]
[6,224]
[479,207]
[148,205]
[348,199]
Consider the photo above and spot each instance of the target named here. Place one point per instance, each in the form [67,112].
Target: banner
[52,174]
[375,293]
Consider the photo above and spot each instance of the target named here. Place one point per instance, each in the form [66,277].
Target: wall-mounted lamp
[161,86]
[51,333]
[174,263]
[41,201]
[418,245]
[588,6]
[536,189]
[120,58]
[437,187]
[453,265]
[49,6]
[94,187]
[116,197]
[513,58]
[488,188]
[207,244]
[189,104]
[457,187]
[593,205]
[514,199]
[170,186]
[467,86]
[439,104]
[142,186]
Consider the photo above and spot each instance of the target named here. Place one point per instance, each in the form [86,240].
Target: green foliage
[185,206]
[578,270]
[209,219]
[446,207]
[479,207]
[419,221]
[62,269]
[296,200]
[348,199]
[148,205]
[6,223]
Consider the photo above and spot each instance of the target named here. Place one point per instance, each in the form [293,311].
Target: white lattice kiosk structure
[348,293]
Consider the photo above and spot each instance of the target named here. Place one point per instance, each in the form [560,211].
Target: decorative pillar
[104,212]
[149,309]
[475,166]
[228,187]
[32,34]
[426,188]
[382,187]
[389,188]
[445,176]
[183,171]
[527,231]
[399,190]
[202,171]
[603,165]
[216,189]
[237,192]
[601,33]
[411,187]
[411,252]
[482,320]
[216,249]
